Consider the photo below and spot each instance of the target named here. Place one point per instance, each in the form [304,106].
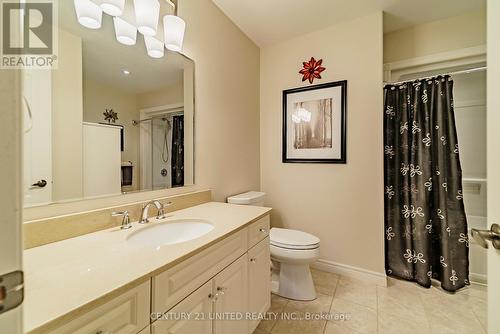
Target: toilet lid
[292,239]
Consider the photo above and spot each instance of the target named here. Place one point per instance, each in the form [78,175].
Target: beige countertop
[67,277]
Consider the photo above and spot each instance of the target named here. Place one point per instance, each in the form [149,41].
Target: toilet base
[294,281]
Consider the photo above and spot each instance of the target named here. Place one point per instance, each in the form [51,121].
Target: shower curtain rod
[470,70]
[176,113]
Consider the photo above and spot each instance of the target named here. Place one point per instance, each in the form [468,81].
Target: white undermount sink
[170,232]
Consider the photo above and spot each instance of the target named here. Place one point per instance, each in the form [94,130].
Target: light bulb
[113,7]
[88,13]
[174,28]
[147,14]
[156,49]
[125,32]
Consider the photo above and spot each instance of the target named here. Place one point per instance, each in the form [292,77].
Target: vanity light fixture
[174,28]
[113,7]
[147,14]
[89,14]
[125,32]
[126,72]
[156,49]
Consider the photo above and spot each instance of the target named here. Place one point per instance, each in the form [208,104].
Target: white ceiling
[104,59]
[270,21]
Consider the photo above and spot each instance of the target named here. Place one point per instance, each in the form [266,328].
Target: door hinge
[11,290]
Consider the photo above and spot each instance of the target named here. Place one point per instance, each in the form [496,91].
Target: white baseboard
[361,274]
[478,279]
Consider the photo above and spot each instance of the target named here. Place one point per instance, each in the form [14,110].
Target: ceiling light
[156,49]
[126,72]
[174,28]
[89,14]
[113,7]
[124,31]
[147,13]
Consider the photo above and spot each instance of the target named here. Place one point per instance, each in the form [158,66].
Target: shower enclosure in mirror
[109,120]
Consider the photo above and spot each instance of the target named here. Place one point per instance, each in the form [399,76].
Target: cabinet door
[259,281]
[190,316]
[125,314]
[231,288]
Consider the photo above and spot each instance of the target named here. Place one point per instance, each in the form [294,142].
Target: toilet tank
[255,198]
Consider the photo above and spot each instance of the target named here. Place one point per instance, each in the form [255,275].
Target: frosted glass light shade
[147,14]
[125,32]
[88,13]
[174,28]
[113,7]
[156,49]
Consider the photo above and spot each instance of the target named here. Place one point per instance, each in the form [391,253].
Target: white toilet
[291,253]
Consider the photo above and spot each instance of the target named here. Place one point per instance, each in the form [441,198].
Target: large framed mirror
[109,120]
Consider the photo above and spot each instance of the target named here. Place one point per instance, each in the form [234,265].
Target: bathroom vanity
[107,282]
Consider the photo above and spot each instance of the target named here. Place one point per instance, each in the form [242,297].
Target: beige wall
[227,100]
[67,114]
[453,33]
[97,98]
[167,95]
[342,204]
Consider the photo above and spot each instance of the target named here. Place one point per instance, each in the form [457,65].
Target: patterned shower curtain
[425,224]
[178,151]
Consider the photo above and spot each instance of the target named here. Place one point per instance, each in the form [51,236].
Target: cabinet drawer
[171,286]
[258,231]
[126,314]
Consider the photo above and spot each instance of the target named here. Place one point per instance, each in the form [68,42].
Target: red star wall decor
[312,69]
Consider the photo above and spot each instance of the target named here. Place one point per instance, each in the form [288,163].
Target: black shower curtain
[178,151]
[425,224]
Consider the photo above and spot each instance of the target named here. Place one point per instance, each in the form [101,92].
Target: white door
[259,281]
[10,201]
[37,136]
[190,316]
[231,287]
[493,154]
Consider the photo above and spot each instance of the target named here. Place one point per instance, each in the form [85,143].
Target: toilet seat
[293,239]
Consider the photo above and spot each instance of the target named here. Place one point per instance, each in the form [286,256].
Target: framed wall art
[314,123]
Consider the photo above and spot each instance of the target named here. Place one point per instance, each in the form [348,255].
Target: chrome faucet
[159,215]
[125,221]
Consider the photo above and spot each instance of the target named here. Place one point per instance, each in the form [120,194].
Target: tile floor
[402,307]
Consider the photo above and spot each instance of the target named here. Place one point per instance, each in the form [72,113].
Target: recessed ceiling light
[126,72]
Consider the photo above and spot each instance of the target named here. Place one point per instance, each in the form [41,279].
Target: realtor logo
[29,34]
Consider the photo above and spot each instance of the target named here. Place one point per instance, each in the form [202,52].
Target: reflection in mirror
[109,120]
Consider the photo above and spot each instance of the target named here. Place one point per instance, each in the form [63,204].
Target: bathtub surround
[425,222]
[323,199]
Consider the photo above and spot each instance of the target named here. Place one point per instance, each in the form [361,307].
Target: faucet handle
[125,221]
[161,209]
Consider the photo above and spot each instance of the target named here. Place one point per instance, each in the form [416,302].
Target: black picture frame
[343,124]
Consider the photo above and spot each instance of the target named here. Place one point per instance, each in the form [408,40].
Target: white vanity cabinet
[226,296]
[211,292]
[230,297]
